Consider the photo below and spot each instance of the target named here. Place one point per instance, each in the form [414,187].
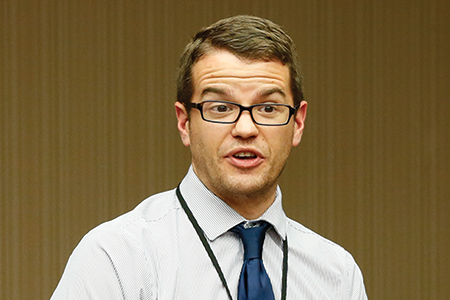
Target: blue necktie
[254,283]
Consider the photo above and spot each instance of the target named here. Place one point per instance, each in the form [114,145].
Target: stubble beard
[239,187]
[231,184]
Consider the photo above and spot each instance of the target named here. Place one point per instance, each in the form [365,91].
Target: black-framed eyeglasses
[225,112]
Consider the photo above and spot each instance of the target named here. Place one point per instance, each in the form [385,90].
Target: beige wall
[87,128]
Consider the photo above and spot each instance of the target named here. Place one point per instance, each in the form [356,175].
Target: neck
[250,207]
[249,200]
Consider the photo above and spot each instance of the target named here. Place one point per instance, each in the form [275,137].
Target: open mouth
[246,159]
[244,155]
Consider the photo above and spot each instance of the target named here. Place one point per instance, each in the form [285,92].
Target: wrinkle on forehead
[238,68]
[225,91]
[223,73]
[239,73]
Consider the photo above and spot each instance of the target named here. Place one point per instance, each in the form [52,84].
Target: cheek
[206,140]
[282,145]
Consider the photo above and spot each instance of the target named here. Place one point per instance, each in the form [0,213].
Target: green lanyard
[213,258]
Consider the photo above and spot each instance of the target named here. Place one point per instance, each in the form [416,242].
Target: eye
[221,108]
[268,109]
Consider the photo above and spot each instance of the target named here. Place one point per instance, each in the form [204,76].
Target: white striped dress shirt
[153,252]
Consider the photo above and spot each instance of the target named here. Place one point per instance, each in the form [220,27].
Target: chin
[249,186]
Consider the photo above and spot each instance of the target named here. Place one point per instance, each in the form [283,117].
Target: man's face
[241,159]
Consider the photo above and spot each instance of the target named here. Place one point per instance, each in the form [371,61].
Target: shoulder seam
[291,223]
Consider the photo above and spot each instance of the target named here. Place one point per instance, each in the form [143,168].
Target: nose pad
[244,126]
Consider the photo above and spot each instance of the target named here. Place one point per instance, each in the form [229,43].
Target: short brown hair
[247,37]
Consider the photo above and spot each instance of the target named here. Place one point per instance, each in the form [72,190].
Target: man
[222,234]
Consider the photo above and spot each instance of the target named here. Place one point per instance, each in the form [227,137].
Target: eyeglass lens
[226,112]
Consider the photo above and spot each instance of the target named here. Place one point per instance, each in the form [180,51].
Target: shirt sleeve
[356,289]
[105,266]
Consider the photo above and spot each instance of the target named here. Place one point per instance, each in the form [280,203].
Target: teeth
[245,155]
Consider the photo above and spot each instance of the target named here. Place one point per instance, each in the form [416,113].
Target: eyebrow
[213,90]
[272,91]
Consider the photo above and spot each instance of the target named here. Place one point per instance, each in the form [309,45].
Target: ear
[183,123]
[299,119]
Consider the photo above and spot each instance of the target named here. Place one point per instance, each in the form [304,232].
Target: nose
[245,127]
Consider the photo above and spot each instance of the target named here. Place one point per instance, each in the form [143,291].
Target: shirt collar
[216,217]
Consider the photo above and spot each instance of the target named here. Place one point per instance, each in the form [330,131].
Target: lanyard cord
[213,258]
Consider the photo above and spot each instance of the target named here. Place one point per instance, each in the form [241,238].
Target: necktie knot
[252,237]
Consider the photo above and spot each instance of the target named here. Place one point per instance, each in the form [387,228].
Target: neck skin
[251,207]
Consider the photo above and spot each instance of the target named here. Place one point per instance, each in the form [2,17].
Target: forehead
[221,67]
